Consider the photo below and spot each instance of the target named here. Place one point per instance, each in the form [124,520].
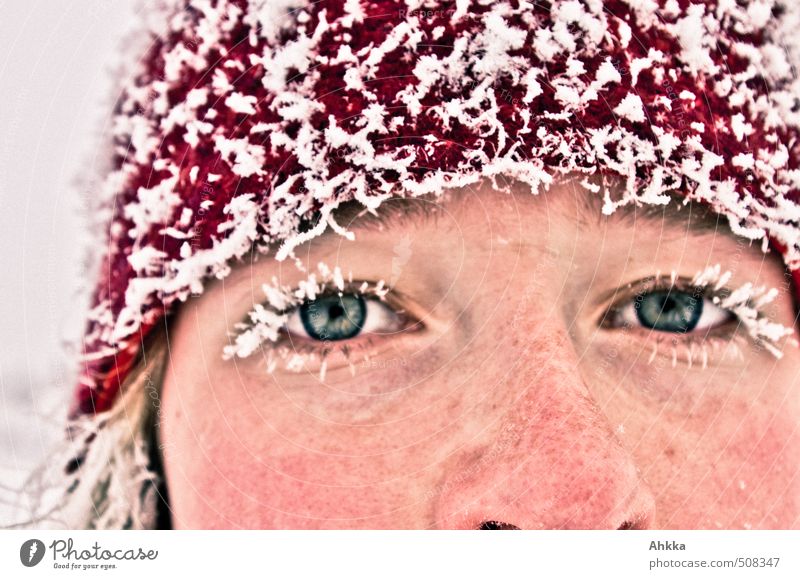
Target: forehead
[568,206]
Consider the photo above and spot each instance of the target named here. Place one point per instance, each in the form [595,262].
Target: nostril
[634,524]
[497,526]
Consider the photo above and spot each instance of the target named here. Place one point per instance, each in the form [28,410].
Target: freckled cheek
[293,488]
[730,468]
[343,436]
[769,445]
[759,472]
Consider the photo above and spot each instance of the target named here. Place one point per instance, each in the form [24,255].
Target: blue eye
[669,311]
[673,311]
[334,317]
[342,317]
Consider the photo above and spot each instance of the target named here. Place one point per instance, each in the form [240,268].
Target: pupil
[334,317]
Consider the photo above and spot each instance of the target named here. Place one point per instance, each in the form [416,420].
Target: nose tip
[622,506]
[639,513]
[562,469]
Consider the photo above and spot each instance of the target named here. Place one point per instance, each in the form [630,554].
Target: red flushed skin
[512,406]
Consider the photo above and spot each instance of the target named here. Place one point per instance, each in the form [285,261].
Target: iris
[337,317]
[669,311]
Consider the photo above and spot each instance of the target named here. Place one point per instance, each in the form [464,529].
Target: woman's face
[529,367]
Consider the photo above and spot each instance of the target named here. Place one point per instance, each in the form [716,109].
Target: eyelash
[692,346]
[268,323]
[655,285]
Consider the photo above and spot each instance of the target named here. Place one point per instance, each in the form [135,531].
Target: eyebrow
[689,217]
[392,213]
[677,218]
[684,216]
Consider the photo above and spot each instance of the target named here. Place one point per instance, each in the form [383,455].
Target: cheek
[248,452]
[738,475]
[761,469]
[720,450]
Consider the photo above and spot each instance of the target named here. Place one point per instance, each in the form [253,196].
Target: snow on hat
[248,118]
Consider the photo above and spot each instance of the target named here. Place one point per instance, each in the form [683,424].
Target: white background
[56,89]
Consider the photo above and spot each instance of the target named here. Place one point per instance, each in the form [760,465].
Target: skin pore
[500,384]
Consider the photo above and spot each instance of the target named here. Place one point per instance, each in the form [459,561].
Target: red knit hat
[248,117]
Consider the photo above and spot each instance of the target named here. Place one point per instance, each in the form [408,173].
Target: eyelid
[333,355]
[653,284]
[390,298]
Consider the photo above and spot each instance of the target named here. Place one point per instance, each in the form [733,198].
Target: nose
[552,462]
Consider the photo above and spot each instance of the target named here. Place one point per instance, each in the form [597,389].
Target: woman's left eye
[672,311]
[342,317]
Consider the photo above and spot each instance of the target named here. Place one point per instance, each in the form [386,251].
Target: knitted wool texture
[247,118]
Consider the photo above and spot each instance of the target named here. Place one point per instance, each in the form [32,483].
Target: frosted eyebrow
[691,217]
[392,213]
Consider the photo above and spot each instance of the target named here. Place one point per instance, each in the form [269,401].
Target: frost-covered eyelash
[696,351]
[746,302]
[266,321]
